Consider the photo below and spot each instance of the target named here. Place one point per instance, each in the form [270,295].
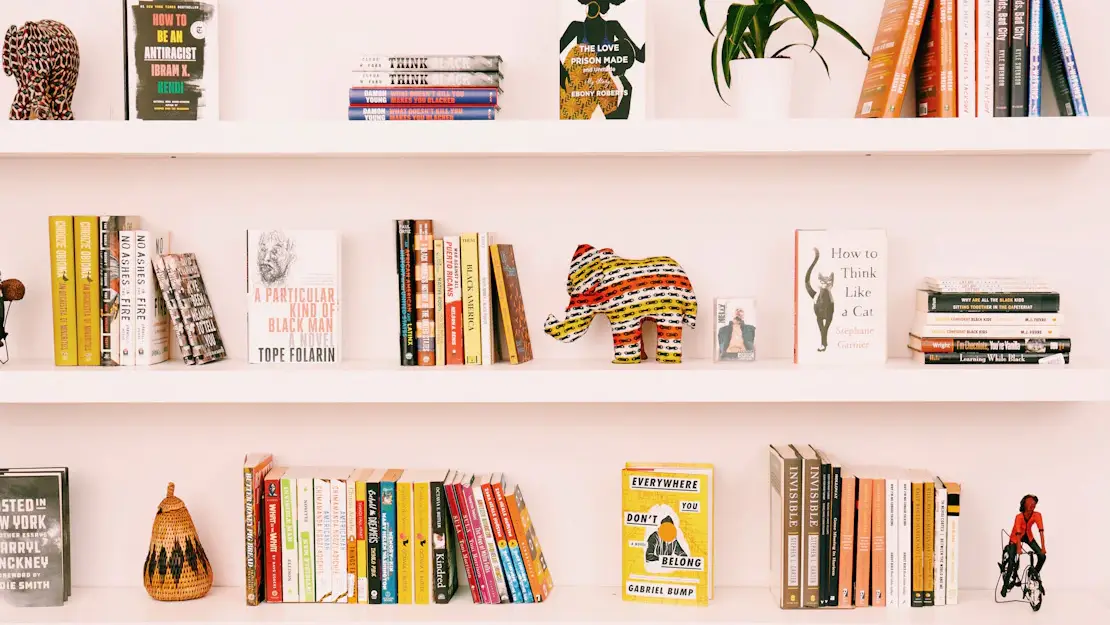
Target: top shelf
[794,137]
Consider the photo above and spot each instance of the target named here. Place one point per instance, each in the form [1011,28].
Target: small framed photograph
[736,322]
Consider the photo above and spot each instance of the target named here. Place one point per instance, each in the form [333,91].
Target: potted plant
[762,72]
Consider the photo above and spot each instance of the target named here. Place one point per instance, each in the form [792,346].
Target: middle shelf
[549,381]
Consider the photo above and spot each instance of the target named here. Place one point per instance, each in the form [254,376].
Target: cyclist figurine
[1023,533]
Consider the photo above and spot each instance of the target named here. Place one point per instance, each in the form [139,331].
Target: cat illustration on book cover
[823,304]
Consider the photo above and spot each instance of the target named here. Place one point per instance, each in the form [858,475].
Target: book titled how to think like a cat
[840,296]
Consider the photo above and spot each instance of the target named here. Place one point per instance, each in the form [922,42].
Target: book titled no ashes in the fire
[293,296]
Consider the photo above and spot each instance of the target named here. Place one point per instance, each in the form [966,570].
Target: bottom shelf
[747,606]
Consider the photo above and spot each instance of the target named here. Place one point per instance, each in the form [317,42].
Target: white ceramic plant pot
[761,88]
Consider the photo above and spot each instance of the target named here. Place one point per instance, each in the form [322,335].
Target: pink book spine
[486,583]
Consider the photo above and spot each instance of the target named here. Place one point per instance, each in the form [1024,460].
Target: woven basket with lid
[176,568]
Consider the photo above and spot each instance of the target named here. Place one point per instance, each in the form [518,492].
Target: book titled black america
[194,319]
[33,534]
[172,60]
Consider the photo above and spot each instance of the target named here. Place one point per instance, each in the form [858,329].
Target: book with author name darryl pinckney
[293,296]
[840,286]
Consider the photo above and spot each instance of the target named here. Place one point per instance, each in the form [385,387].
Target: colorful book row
[459,299]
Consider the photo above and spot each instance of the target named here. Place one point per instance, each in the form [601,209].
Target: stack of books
[459,298]
[852,536]
[983,321]
[387,536]
[973,58]
[434,87]
[34,537]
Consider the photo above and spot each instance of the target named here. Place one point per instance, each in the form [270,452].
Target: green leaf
[787,47]
[761,29]
[704,17]
[806,14]
[713,64]
[843,33]
[779,24]
[823,61]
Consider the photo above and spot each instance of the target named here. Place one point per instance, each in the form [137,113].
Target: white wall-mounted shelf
[799,137]
[769,381]
[226,606]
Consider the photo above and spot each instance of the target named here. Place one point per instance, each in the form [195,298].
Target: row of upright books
[35,558]
[387,536]
[845,536]
[434,87]
[973,58]
[459,298]
[988,320]
[115,291]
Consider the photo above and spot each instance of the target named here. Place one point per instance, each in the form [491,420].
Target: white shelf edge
[579,605]
[317,139]
[559,381]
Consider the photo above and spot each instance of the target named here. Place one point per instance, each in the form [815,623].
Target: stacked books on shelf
[387,536]
[983,321]
[433,87]
[972,58]
[459,298]
[851,536]
[34,536]
[667,533]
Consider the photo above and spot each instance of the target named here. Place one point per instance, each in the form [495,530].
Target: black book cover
[406,282]
[374,540]
[1019,60]
[443,554]
[1058,75]
[32,522]
[993,302]
[197,316]
[834,540]
[991,358]
[1003,64]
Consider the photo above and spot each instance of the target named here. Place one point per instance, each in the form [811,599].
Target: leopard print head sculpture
[43,58]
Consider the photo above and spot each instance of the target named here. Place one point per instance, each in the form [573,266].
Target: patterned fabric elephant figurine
[43,58]
[629,293]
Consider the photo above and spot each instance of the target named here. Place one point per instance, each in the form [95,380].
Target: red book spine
[273,540]
[464,546]
[482,566]
[452,301]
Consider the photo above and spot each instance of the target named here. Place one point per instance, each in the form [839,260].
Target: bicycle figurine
[1014,571]
[11,291]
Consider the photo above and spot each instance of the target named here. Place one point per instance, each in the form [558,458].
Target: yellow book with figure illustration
[667,534]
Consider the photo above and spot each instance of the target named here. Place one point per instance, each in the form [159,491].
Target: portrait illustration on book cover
[735,322]
[599,60]
[1023,557]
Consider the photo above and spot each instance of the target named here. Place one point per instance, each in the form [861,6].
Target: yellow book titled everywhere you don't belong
[667,533]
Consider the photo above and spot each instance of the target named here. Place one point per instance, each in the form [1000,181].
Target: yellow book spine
[87,232]
[362,584]
[917,581]
[471,300]
[422,551]
[441,325]
[404,543]
[928,510]
[503,304]
[63,294]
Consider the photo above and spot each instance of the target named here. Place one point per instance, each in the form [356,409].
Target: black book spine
[1057,73]
[1019,59]
[991,358]
[826,532]
[834,539]
[441,569]
[1010,346]
[1002,62]
[994,302]
[405,291]
[374,541]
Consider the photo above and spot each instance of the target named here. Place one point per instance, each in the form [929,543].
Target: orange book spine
[847,539]
[878,542]
[863,542]
[927,66]
[892,55]
[948,73]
